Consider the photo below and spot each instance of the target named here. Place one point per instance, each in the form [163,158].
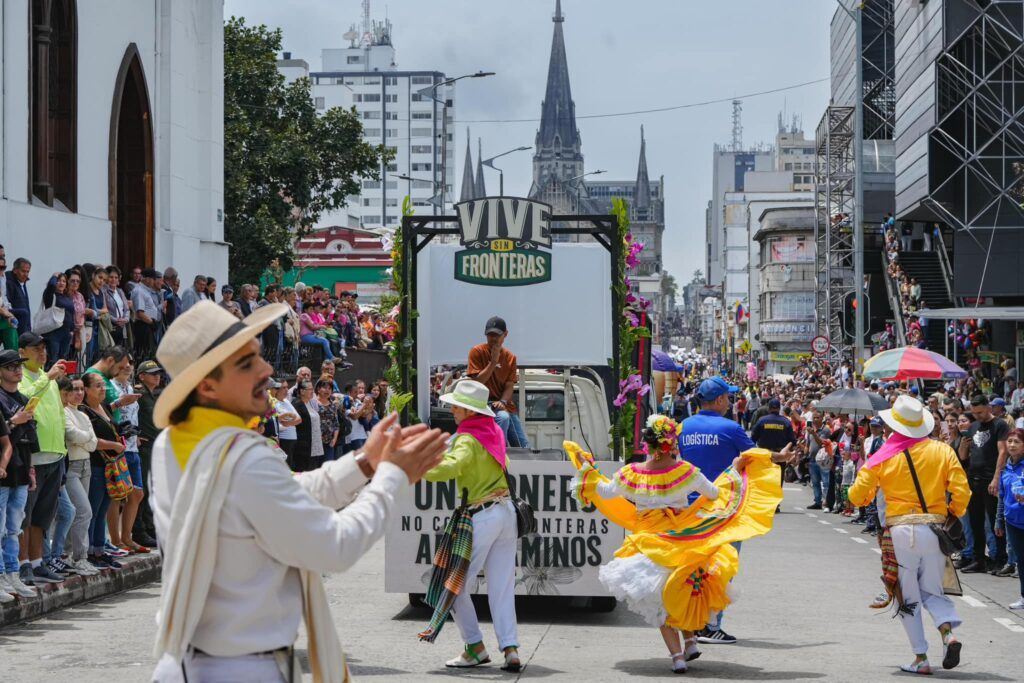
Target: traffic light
[849,319]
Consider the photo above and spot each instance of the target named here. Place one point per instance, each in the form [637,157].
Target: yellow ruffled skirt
[683,554]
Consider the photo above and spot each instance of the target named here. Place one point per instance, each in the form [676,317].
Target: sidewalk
[137,571]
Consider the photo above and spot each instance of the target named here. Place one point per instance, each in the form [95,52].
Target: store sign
[507,240]
[561,559]
[787,356]
[787,331]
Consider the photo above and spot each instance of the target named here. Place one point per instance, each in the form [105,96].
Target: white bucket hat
[198,341]
[471,395]
[909,418]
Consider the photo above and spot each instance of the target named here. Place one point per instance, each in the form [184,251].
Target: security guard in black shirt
[773,431]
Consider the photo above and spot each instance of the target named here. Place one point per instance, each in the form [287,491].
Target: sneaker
[43,574]
[111,562]
[145,539]
[1017,605]
[5,596]
[85,568]
[1006,571]
[19,587]
[816,506]
[715,636]
[963,561]
[114,551]
[826,509]
[59,566]
[25,574]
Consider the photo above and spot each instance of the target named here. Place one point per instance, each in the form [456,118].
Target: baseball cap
[149,367]
[9,357]
[997,401]
[712,388]
[227,288]
[495,325]
[28,339]
[774,404]
[914,390]
[877,422]
[152,272]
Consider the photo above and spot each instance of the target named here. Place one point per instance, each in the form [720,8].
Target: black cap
[151,272]
[28,339]
[774,404]
[495,325]
[9,357]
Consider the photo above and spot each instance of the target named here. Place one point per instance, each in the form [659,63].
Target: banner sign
[788,356]
[561,559]
[504,237]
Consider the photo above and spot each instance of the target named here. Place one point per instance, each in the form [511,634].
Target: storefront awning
[984,312]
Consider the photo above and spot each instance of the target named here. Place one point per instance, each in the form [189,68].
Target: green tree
[698,277]
[283,165]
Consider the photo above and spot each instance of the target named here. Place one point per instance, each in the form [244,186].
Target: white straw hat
[198,341]
[471,395]
[909,418]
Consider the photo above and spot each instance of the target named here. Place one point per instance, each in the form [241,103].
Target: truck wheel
[603,604]
[416,601]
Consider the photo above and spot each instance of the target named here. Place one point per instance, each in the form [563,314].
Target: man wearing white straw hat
[244,542]
[916,473]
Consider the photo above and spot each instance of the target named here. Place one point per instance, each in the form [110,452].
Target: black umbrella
[853,402]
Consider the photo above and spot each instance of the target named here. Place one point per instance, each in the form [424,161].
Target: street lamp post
[501,174]
[433,184]
[581,177]
[430,92]
[856,15]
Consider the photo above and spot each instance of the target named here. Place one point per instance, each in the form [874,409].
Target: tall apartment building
[398,110]
[729,167]
[794,152]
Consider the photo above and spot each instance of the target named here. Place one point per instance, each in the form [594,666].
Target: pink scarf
[896,444]
[484,429]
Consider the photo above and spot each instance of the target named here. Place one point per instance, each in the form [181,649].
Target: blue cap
[997,401]
[712,388]
[877,422]
[914,390]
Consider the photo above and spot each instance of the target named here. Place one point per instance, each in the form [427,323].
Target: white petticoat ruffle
[639,582]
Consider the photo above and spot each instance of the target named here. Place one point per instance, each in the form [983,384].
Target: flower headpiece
[665,429]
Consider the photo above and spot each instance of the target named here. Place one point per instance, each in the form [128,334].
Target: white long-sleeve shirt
[273,522]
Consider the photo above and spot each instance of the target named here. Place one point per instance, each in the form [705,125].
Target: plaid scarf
[891,574]
[451,563]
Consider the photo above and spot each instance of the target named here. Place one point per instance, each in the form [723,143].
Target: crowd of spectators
[906,289]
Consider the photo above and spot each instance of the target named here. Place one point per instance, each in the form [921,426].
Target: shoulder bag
[526,520]
[48,319]
[951,532]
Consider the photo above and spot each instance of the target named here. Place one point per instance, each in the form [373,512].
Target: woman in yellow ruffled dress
[674,567]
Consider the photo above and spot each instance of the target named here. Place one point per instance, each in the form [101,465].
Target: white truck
[555,299]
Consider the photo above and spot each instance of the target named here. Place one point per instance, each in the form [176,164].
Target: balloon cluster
[968,334]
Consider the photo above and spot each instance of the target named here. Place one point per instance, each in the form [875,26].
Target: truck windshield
[545,406]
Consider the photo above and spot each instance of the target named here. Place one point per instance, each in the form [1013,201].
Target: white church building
[112,135]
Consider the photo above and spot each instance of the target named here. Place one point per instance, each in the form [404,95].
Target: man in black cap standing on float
[496,367]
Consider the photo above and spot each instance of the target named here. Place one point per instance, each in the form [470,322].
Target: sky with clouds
[623,57]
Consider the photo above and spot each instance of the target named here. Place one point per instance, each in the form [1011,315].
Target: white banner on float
[561,559]
[565,321]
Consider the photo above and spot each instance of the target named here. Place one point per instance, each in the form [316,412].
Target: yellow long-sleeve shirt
[938,470]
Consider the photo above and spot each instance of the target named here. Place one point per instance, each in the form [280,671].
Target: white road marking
[877,551]
[791,488]
[811,514]
[973,602]
[798,509]
[1010,624]
[842,531]
[858,540]
[824,521]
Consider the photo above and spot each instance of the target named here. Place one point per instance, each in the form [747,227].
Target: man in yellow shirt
[921,561]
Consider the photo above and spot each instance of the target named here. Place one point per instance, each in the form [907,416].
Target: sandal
[922,667]
[469,658]
[691,650]
[678,665]
[950,651]
[138,549]
[881,601]
[512,663]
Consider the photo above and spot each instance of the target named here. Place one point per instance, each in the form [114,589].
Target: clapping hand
[415,449]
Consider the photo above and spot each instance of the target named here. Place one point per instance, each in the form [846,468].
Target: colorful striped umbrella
[911,363]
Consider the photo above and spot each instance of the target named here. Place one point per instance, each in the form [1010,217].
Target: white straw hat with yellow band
[909,418]
[471,395]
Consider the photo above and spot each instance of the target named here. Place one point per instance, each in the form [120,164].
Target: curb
[136,572]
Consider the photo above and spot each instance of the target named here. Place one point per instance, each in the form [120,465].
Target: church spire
[468,186]
[558,112]
[642,195]
[481,187]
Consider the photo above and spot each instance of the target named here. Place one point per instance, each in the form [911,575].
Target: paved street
[801,615]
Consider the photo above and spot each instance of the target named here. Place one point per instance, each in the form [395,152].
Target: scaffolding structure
[834,170]
[879,67]
[977,146]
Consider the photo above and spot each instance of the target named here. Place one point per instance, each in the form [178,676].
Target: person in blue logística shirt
[711,441]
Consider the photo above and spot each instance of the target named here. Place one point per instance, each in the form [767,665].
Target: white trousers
[921,568]
[494,552]
[198,668]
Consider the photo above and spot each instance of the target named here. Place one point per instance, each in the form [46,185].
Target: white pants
[921,568]
[494,551]
[200,668]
